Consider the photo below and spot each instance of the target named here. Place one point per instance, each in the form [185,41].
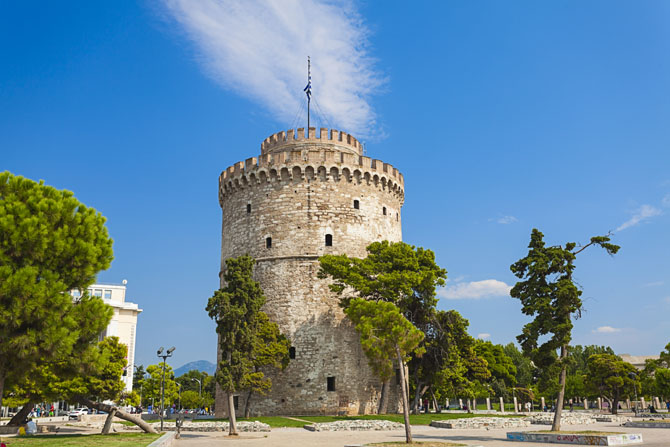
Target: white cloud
[474,290]
[504,220]
[259,49]
[484,336]
[654,284]
[606,330]
[643,213]
[666,201]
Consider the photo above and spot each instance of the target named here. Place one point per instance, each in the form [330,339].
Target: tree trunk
[247,405]
[405,397]
[21,415]
[232,423]
[435,404]
[615,403]
[417,396]
[108,422]
[384,398]
[556,426]
[119,413]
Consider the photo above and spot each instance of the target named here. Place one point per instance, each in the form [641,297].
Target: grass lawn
[110,440]
[300,421]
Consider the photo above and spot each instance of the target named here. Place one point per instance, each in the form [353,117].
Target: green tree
[662,382]
[548,293]
[235,308]
[138,376]
[610,377]
[151,385]
[270,350]
[386,335]
[524,366]
[393,272]
[499,364]
[191,399]
[450,365]
[50,244]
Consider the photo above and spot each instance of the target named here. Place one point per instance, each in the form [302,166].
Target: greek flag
[308,89]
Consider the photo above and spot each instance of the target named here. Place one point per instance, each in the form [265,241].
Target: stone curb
[164,441]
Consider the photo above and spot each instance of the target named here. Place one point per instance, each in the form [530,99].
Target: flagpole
[309,86]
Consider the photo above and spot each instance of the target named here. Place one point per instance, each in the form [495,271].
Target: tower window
[384,211]
[357,205]
[397,217]
[291,352]
[268,242]
[329,240]
[248,208]
[236,402]
[330,383]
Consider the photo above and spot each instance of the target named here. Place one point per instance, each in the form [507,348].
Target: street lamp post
[164,357]
[199,383]
[179,385]
[633,376]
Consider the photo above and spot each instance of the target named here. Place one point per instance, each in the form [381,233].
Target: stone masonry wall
[296,198]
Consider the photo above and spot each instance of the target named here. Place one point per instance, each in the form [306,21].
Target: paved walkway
[299,437]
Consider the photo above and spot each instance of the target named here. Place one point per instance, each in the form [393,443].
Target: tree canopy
[50,244]
[611,377]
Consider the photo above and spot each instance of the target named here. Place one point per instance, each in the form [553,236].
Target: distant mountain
[200,365]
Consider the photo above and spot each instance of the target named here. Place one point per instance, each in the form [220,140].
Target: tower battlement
[288,140]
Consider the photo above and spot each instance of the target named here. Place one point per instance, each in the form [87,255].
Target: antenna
[308,89]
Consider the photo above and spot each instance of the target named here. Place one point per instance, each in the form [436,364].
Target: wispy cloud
[259,50]
[643,213]
[504,220]
[484,336]
[653,284]
[474,290]
[666,201]
[606,330]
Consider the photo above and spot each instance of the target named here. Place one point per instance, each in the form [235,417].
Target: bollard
[516,405]
[542,399]
[488,403]
[502,405]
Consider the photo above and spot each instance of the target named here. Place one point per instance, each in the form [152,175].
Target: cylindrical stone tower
[307,196]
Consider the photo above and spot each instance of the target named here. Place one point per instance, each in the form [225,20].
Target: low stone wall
[254,426]
[576,438]
[482,423]
[648,424]
[355,425]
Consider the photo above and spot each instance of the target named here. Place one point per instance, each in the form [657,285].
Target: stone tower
[304,197]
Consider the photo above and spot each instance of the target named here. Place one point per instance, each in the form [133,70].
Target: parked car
[77,412]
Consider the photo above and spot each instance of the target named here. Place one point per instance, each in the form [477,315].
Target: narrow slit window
[291,352]
[397,217]
[331,383]
[248,208]
[329,240]
[357,205]
[384,211]
[268,242]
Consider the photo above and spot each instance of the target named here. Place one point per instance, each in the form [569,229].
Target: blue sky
[502,116]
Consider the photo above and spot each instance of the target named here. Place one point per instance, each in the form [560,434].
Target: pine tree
[50,244]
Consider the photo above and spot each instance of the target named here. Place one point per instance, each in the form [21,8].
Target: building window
[331,383]
[108,294]
[397,217]
[357,205]
[291,352]
[76,294]
[248,208]
[384,211]
[97,292]
[329,240]
[236,402]
[268,242]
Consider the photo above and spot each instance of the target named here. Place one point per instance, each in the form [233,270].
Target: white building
[123,323]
